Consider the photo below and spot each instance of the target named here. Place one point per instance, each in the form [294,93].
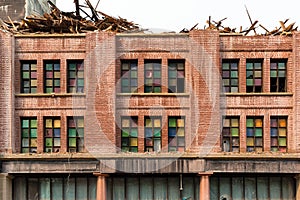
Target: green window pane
[234,74]
[33,123]
[125,82]
[57,83]
[125,66]
[25,123]
[234,131]
[225,66]
[273,73]
[72,132]
[282,141]
[257,65]
[258,132]
[250,122]
[249,74]
[25,133]
[148,122]
[234,81]
[49,67]
[72,66]
[249,65]
[134,132]
[172,122]
[133,149]
[125,133]
[249,82]
[81,82]
[48,142]
[157,133]
[281,74]
[156,89]
[72,74]
[157,74]
[133,74]
[172,74]
[72,142]
[33,133]
[25,75]
[281,65]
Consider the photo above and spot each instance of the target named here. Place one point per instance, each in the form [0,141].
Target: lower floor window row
[52,134]
[152,137]
[254,134]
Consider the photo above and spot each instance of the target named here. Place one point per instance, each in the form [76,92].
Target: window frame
[78,122]
[31,139]
[129,75]
[253,88]
[179,76]
[275,66]
[52,148]
[128,137]
[55,72]
[152,84]
[79,78]
[231,69]
[152,138]
[177,146]
[255,147]
[232,138]
[31,78]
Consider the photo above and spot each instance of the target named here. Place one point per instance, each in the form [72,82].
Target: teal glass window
[28,134]
[28,76]
[152,76]
[152,127]
[129,134]
[230,134]
[52,76]
[129,76]
[76,134]
[230,75]
[176,76]
[176,133]
[254,78]
[278,75]
[75,76]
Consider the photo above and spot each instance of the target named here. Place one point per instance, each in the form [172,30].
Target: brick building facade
[99,115]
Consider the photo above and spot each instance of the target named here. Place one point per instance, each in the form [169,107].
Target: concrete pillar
[6,186]
[298,187]
[204,191]
[101,186]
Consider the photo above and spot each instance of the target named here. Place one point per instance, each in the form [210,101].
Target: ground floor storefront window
[252,187]
[153,187]
[62,187]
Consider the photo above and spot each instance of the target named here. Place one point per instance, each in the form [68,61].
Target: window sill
[50,95]
[259,94]
[155,94]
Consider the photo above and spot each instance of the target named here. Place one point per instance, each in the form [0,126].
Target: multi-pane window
[230,134]
[75,134]
[52,76]
[176,70]
[29,135]
[278,134]
[230,75]
[254,75]
[152,76]
[28,76]
[52,134]
[278,75]
[129,134]
[75,76]
[152,134]
[254,133]
[176,134]
[129,76]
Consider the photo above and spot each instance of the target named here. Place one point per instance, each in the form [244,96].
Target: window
[75,134]
[62,187]
[176,133]
[176,76]
[52,76]
[52,134]
[278,75]
[231,135]
[75,76]
[279,134]
[129,132]
[254,134]
[29,135]
[152,76]
[152,134]
[254,75]
[129,73]
[28,76]
[230,75]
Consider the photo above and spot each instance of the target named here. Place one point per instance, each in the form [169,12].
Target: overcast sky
[174,15]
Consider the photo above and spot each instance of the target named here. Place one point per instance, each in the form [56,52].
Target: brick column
[5,187]
[204,185]
[101,186]
[297,187]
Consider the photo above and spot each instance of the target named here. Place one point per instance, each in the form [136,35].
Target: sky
[174,15]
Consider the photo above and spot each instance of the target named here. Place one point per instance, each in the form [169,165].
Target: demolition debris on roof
[58,21]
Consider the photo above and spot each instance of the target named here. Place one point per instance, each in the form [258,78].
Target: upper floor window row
[153,79]
[254,78]
[52,76]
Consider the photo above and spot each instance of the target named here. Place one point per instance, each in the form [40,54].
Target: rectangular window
[129,76]
[29,135]
[152,134]
[75,134]
[152,76]
[254,134]
[129,134]
[278,75]
[52,134]
[278,134]
[52,76]
[176,74]
[28,76]
[176,134]
[75,76]
[254,75]
[230,75]
[231,135]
